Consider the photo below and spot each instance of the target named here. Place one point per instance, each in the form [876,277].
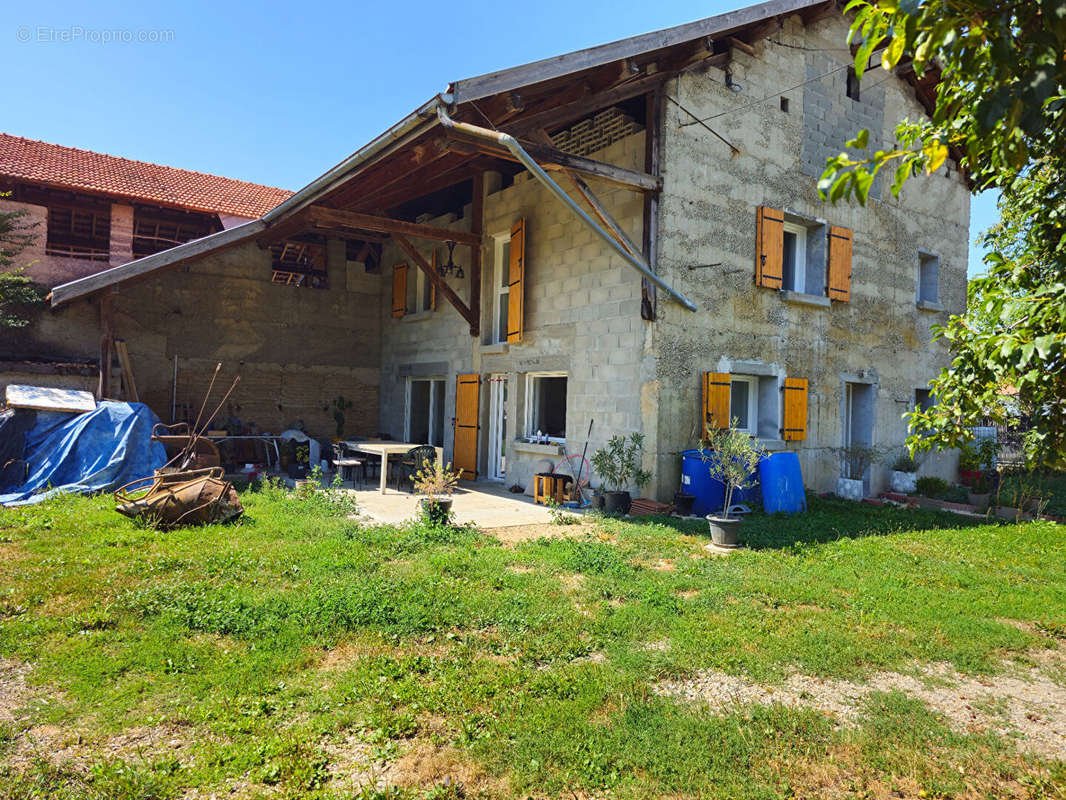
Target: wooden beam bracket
[471,315]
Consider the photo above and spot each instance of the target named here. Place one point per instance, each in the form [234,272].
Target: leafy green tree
[17,292]
[1001,112]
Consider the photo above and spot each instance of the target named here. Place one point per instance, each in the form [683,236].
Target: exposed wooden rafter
[552,158]
[352,224]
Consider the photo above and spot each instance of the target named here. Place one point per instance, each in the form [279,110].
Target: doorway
[424,422]
[859,420]
[497,464]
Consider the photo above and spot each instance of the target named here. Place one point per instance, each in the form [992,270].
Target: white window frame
[753,402]
[500,285]
[531,379]
[498,386]
[799,272]
[435,400]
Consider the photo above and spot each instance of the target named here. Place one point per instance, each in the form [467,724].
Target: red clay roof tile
[56,165]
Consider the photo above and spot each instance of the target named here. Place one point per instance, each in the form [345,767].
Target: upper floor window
[500,300]
[78,231]
[852,88]
[156,229]
[794,259]
[298,264]
[928,277]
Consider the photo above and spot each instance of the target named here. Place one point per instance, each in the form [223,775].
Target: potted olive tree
[904,477]
[436,483]
[732,457]
[617,465]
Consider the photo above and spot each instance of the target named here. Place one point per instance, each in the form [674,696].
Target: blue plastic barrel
[782,483]
[709,493]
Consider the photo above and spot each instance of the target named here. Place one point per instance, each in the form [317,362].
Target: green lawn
[283,655]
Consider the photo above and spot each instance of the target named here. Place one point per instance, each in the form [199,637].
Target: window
[425,411]
[156,229]
[784,104]
[546,406]
[298,264]
[501,266]
[79,232]
[420,291]
[794,257]
[852,87]
[923,399]
[928,278]
[744,403]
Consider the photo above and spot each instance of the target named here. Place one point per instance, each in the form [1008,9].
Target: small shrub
[905,463]
[930,486]
[617,463]
[559,516]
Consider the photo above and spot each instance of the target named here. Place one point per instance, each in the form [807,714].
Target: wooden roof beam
[553,159]
[330,218]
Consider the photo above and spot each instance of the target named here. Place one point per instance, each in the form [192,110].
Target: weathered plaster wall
[582,318]
[708,218]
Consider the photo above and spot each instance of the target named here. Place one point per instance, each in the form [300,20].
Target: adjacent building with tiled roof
[91,211]
[73,168]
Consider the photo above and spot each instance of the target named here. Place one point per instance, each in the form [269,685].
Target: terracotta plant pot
[437,510]
[725,531]
[683,504]
[616,502]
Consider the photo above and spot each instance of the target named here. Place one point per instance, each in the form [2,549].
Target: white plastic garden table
[387,449]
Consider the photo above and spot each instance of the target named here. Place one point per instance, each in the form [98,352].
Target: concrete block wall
[582,317]
[708,217]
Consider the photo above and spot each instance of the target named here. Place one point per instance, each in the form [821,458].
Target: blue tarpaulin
[96,451]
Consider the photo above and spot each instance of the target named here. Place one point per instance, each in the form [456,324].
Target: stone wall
[709,204]
[582,317]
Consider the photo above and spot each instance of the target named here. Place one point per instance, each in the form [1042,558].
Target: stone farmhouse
[628,236]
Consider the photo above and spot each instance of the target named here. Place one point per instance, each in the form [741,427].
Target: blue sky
[273,92]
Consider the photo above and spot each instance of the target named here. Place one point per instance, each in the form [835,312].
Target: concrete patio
[484,503]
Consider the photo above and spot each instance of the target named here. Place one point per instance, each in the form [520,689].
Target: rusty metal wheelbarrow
[193,497]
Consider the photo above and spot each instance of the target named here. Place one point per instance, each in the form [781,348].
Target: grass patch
[271,645]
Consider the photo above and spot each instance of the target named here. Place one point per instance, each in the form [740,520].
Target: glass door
[497,468]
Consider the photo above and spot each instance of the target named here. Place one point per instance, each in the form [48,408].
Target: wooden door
[467,395]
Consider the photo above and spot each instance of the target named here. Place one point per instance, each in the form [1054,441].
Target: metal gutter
[538,172]
[420,118]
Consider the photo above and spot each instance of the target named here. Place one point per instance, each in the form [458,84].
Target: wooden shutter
[399,290]
[467,392]
[516,280]
[433,286]
[839,263]
[715,400]
[769,247]
[795,422]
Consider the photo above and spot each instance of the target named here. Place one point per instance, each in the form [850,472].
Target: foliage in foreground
[266,647]
[1001,111]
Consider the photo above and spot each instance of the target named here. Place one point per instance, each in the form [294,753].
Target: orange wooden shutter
[399,290]
[770,243]
[433,286]
[467,392]
[715,400]
[839,263]
[516,280]
[795,422]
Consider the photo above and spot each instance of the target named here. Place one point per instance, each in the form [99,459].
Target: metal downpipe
[527,161]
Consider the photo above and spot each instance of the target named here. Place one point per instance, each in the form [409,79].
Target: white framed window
[501,278]
[424,418]
[546,405]
[928,277]
[744,403]
[794,257]
[419,293]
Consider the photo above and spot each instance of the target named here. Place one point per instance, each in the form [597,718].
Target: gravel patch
[1025,704]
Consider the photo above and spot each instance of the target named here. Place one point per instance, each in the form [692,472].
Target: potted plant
[731,457]
[975,458]
[436,483]
[340,406]
[617,466]
[856,460]
[904,476]
[683,502]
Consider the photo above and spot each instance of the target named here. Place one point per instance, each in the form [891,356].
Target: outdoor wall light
[447,269]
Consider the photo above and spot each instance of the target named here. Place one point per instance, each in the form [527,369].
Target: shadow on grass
[827,519]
